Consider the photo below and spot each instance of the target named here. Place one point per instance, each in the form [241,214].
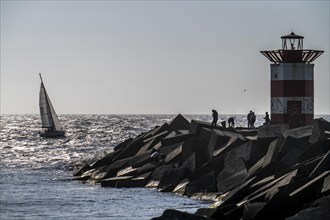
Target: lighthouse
[292,82]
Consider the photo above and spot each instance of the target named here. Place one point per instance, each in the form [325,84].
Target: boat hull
[52,134]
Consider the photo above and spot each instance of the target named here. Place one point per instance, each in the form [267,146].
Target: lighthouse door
[295,114]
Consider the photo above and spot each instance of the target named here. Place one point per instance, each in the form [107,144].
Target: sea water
[36,173]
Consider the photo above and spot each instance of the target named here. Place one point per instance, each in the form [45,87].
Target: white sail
[48,115]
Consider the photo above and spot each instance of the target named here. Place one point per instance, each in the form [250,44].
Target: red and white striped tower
[292,82]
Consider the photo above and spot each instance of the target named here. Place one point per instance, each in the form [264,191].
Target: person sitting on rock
[155,156]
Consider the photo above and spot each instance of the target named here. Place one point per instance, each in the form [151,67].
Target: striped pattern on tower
[292,93]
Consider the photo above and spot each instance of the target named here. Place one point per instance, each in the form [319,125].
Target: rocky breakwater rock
[279,173]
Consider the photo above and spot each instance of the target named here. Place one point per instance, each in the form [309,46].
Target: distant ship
[48,115]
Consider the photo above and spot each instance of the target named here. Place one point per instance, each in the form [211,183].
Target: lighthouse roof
[292,35]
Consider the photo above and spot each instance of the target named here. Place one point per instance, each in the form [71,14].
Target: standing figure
[253,120]
[215,118]
[249,118]
[267,119]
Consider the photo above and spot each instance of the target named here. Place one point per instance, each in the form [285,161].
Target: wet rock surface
[270,173]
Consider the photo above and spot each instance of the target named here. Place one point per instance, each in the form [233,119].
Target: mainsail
[48,115]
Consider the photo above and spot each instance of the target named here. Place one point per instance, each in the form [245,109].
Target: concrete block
[249,152]
[269,186]
[205,133]
[323,166]
[272,153]
[288,160]
[139,181]
[233,174]
[219,139]
[251,209]
[190,163]
[318,210]
[122,144]
[205,183]
[157,130]
[237,194]
[220,212]
[140,160]
[288,179]
[147,147]
[326,186]
[87,174]
[208,212]
[312,151]
[82,170]
[280,206]
[152,141]
[309,191]
[175,156]
[247,133]
[109,171]
[106,160]
[128,171]
[111,182]
[159,136]
[131,149]
[256,166]
[181,187]
[236,213]
[303,132]
[176,139]
[198,146]
[299,133]
[227,146]
[179,123]
[291,143]
[196,126]
[216,165]
[166,150]
[171,178]
[157,175]
[146,168]
[306,167]
[319,131]
[131,183]
[171,214]
[272,131]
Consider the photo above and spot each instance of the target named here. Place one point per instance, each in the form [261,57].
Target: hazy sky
[104,57]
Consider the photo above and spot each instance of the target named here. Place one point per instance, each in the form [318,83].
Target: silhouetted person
[231,122]
[155,156]
[215,118]
[223,124]
[253,119]
[267,119]
[249,116]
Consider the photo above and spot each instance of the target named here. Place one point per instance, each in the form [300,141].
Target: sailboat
[48,115]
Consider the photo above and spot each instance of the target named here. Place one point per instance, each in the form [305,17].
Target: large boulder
[220,140]
[271,131]
[320,132]
[171,214]
[179,123]
[318,210]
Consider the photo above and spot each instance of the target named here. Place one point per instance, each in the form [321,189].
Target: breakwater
[272,173]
